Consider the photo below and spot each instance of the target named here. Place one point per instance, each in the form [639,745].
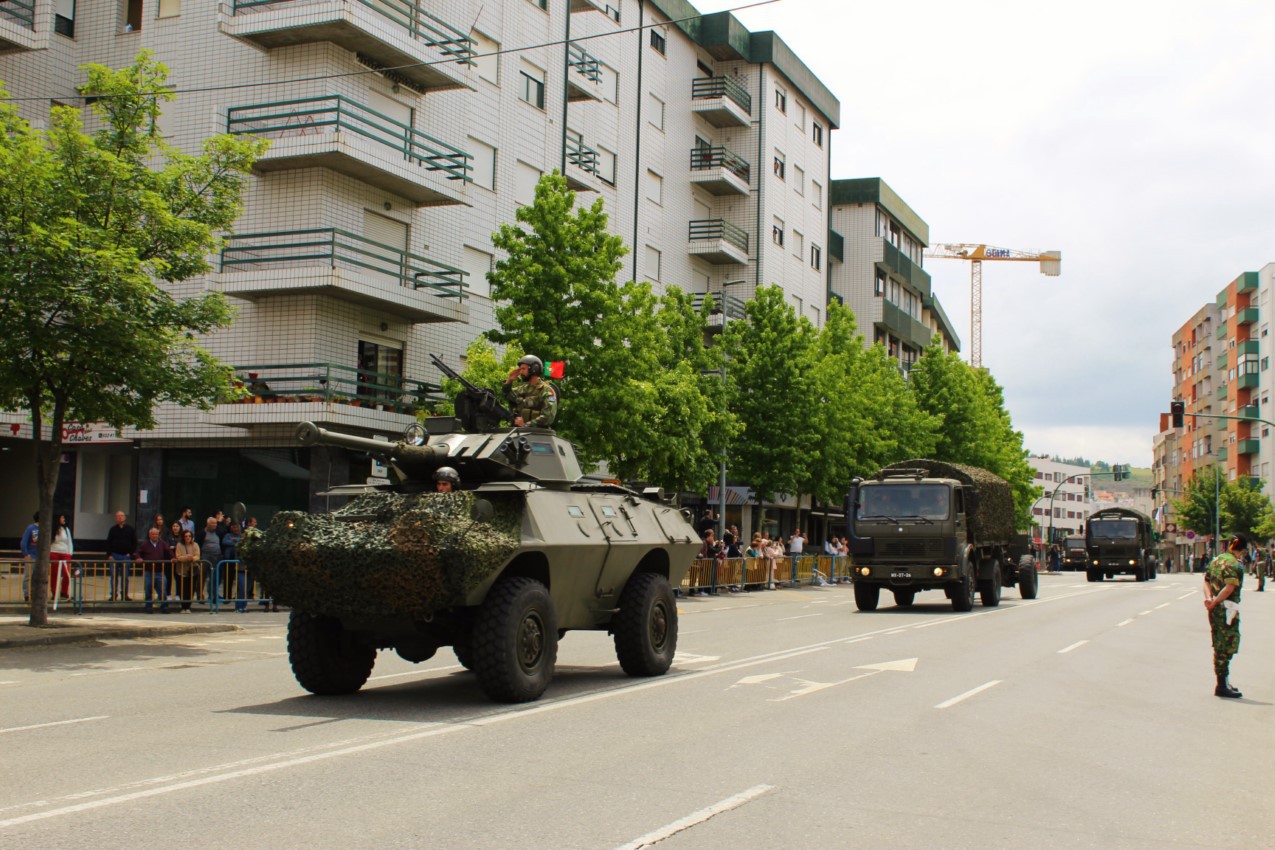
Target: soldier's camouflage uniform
[1223,570]
[536,403]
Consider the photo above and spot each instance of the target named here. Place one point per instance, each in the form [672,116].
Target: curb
[81,634]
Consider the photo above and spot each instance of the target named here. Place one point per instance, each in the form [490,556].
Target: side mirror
[971,500]
[482,511]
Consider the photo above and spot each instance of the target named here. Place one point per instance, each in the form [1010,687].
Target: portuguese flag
[557,368]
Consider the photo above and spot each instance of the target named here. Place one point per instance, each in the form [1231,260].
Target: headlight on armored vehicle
[1095,562]
[865,571]
[1132,562]
[938,571]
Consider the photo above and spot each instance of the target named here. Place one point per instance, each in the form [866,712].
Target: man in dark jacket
[121,544]
[155,555]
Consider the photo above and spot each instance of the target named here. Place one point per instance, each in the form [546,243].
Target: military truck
[928,525]
[1120,541]
[1075,553]
[527,550]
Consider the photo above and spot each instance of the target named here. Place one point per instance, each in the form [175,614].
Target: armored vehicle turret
[523,551]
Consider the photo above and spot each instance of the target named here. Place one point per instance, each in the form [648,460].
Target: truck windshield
[931,501]
[1114,529]
[1076,545]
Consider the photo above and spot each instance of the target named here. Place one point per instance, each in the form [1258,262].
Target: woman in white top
[60,552]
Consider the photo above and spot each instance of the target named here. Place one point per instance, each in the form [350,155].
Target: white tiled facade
[296,70]
[1072,500]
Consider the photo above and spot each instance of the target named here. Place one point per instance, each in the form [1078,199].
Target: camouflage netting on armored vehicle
[993,521]
[384,553]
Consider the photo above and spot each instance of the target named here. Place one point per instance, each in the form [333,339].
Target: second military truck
[928,525]
[1120,541]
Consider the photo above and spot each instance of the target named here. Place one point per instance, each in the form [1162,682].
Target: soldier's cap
[1238,540]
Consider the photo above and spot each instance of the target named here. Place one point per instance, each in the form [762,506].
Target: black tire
[515,640]
[1154,565]
[904,596]
[1140,574]
[325,660]
[866,596]
[645,628]
[1093,575]
[989,590]
[1028,581]
[962,595]
[464,649]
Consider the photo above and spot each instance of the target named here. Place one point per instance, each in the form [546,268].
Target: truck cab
[1075,555]
[1120,541]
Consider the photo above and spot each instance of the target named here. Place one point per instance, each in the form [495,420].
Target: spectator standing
[187,556]
[796,543]
[772,551]
[710,550]
[121,549]
[30,546]
[230,557]
[60,552]
[210,554]
[174,534]
[158,522]
[156,558]
[186,519]
[707,523]
[730,551]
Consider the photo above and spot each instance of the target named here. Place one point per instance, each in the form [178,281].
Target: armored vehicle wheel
[866,596]
[904,596]
[515,640]
[325,659]
[646,626]
[962,594]
[1093,575]
[1028,581]
[464,649]
[989,590]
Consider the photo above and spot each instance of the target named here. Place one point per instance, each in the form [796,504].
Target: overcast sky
[1135,137]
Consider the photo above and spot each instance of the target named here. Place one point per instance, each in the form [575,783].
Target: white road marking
[1163,605]
[1144,613]
[958,698]
[696,818]
[107,672]
[897,631]
[692,658]
[416,672]
[905,665]
[1185,595]
[9,682]
[1076,585]
[799,617]
[56,723]
[1124,622]
[1075,645]
[759,678]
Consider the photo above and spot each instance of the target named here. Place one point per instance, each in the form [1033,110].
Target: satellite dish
[238,511]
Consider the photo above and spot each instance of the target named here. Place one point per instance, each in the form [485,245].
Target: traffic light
[1119,472]
[1177,410]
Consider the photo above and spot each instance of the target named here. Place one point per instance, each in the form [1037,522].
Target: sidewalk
[73,628]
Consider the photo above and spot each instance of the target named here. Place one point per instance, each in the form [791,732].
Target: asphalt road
[1082,719]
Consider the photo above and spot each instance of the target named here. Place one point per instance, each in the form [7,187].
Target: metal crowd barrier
[711,574]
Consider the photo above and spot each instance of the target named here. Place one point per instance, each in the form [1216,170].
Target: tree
[90,225]
[895,428]
[1245,508]
[1196,510]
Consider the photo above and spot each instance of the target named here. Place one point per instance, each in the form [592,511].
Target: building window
[781,101]
[610,83]
[606,166]
[487,60]
[652,270]
[484,163]
[613,13]
[64,17]
[816,133]
[801,117]
[777,232]
[658,43]
[130,15]
[169,8]
[798,180]
[879,289]
[816,257]
[780,165]
[798,244]
[816,193]
[542,4]
[477,264]
[532,89]
[525,188]
[654,188]
[657,113]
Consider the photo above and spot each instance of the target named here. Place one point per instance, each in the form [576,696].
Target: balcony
[718,241]
[589,6]
[1248,347]
[337,133]
[325,393]
[1222,454]
[1247,447]
[1248,380]
[586,83]
[725,307]
[1222,360]
[582,165]
[1247,316]
[329,261]
[399,36]
[1221,392]
[721,101]
[1221,331]
[720,170]
[17,27]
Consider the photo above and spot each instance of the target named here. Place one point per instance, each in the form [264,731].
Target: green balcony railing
[1221,392]
[21,12]
[338,114]
[1222,454]
[1246,346]
[1247,447]
[408,14]
[1222,360]
[581,155]
[1247,316]
[335,248]
[329,382]
[716,228]
[703,88]
[583,63]
[720,157]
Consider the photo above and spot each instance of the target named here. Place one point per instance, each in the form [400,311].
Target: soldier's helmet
[535,366]
[446,473]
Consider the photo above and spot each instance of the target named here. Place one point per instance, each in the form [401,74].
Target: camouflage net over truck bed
[401,554]
[993,521]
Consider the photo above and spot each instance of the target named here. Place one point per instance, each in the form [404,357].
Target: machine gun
[478,409]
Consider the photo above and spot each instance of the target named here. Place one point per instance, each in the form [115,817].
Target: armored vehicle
[1120,541]
[928,525]
[524,551]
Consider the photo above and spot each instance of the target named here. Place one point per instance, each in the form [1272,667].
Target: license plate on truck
[900,574]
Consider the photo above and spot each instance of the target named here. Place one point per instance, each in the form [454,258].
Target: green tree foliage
[88,224]
[1196,510]
[895,428]
[839,417]
[484,368]
[772,393]
[1245,508]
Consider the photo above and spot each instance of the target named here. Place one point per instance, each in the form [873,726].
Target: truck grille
[910,548]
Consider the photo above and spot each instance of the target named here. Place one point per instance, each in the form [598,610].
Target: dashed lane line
[696,818]
[1124,622]
[1163,605]
[54,723]
[971,692]
[1075,645]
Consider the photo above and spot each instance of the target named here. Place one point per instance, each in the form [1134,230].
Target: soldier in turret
[446,480]
[532,399]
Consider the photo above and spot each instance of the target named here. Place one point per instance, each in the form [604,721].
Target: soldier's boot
[1225,690]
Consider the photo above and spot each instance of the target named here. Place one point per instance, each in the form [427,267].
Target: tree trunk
[48,461]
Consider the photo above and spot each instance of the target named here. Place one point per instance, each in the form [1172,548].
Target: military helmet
[446,473]
[535,366]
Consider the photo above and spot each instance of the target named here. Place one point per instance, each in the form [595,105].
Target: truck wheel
[1140,574]
[904,596]
[1093,575]
[515,640]
[962,595]
[325,659]
[1028,581]
[646,626]
[866,596]
[989,590]
[464,649]
[1154,565]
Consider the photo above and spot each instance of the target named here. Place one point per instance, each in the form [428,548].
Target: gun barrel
[309,434]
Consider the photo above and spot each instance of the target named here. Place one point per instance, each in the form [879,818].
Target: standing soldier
[1222,581]
[532,399]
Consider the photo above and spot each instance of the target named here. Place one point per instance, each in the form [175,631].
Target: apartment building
[1067,501]
[878,270]
[403,134]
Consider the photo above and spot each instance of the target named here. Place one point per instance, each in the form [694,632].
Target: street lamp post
[721,483]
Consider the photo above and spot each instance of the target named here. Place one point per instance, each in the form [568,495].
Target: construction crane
[1050,264]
